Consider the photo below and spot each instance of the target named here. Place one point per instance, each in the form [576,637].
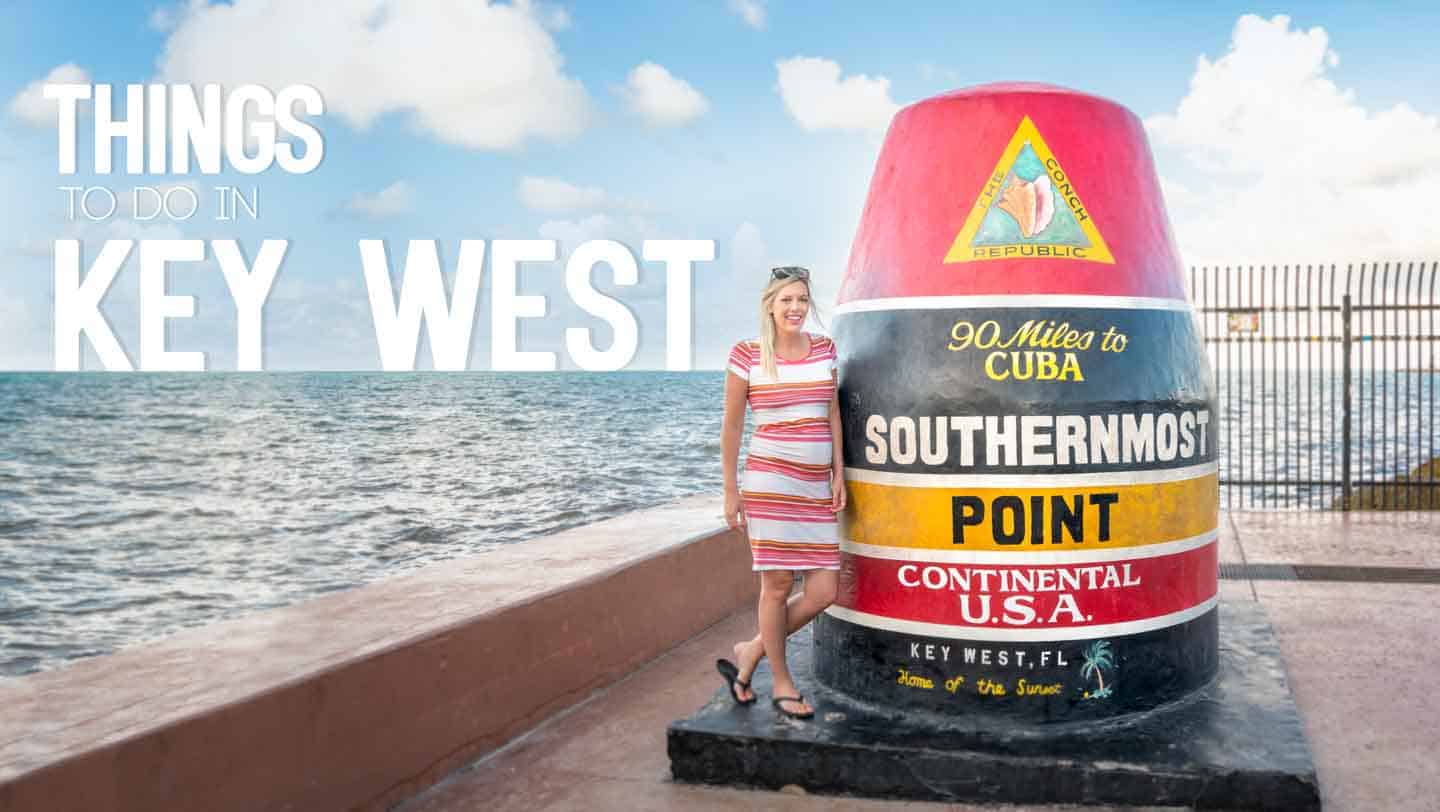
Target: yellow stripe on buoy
[1032,519]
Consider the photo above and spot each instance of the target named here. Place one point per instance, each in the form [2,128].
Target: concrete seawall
[362,698]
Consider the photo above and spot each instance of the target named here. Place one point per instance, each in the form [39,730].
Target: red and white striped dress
[786,483]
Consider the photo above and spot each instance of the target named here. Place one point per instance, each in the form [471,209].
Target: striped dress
[786,483]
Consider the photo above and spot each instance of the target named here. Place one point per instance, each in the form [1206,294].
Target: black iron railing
[1327,380]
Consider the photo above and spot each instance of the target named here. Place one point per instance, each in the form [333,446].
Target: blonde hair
[767,321]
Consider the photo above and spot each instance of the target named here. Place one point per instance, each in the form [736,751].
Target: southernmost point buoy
[1028,419]
[1028,608]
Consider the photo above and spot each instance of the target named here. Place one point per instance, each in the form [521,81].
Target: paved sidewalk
[1361,658]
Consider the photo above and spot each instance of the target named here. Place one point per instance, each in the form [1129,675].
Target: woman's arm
[736,391]
[837,450]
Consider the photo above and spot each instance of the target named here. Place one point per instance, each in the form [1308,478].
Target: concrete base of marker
[1236,744]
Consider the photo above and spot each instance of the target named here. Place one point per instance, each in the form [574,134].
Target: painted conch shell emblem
[1031,203]
[1019,219]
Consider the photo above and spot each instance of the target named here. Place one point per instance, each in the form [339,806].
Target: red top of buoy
[1017,188]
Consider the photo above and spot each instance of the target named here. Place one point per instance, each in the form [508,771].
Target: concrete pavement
[1361,659]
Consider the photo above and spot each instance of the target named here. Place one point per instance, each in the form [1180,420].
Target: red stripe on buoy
[1057,595]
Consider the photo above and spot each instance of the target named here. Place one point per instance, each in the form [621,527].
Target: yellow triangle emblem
[1029,208]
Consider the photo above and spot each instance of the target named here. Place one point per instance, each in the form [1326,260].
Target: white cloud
[474,74]
[1282,165]
[631,231]
[555,195]
[392,201]
[94,234]
[21,336]
[661,98]
[817,98]
[320,324]
[749,255]
[553,17]
[163,19]
[931,72]
[31,106]
[751,11]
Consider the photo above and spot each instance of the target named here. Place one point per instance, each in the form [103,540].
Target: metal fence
[1326,380]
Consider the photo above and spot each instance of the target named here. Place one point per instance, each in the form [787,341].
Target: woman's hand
[734,514]
[837,490]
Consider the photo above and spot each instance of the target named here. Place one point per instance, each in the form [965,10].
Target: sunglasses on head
[790,272]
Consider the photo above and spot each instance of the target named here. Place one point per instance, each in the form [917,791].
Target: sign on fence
[1245,322]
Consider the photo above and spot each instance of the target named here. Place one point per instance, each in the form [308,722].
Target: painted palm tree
[1097,658]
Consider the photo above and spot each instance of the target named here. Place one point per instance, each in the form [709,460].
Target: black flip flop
[731,674]
[777,700]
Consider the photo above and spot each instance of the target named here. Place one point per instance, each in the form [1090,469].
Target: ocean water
[1279,426]
[134,505]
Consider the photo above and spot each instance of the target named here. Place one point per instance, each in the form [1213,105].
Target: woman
[794,480]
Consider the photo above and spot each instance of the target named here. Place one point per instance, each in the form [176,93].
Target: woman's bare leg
[799,609]
[774,593]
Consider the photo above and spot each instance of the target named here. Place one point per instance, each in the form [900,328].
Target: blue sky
[735,139]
